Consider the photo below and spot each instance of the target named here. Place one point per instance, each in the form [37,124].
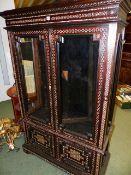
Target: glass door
[33,73]
[78,59]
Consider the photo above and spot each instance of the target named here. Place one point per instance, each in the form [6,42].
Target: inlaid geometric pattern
[76,156]
[40,139]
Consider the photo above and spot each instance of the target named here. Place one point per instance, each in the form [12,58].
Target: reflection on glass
[29,78]
[31,52]
[27,63]
[78,58]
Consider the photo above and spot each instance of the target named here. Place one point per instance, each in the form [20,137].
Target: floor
[19,163]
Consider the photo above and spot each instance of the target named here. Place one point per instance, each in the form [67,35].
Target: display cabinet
[125,71]
[66,58]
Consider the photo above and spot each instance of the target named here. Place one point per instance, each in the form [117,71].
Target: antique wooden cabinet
[66,58]
[125,71]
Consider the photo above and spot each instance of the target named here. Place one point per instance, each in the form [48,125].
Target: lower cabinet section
[41,140]
[76,156]
[70,156]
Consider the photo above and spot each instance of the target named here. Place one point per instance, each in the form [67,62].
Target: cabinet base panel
[30,150]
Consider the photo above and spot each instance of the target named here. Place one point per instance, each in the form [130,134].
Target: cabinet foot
[26,151]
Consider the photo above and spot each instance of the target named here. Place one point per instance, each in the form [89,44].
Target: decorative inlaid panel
[78,157]
[40,140]
[74,154]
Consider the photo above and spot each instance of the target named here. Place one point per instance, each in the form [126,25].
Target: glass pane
[31,53]
[78,58]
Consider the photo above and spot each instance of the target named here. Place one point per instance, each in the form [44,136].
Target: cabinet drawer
[77,157]
[40,140]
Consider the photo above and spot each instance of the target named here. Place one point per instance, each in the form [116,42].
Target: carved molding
[41,10]
[102,13]
[95,14]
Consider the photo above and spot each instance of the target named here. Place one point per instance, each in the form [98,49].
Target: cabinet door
[32,66]
[78,77]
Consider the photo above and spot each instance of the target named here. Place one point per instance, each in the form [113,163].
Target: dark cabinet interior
[78,58]
[66,59]
[33,74]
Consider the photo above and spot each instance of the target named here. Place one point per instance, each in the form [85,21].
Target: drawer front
[76,156]
[40,140]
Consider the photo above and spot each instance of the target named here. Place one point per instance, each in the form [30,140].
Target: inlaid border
[43,35]
[85,15]
[40,10]
[101,34]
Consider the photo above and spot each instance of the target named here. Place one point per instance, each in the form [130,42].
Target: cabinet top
[64,11]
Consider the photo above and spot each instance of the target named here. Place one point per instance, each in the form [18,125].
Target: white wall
[5,5]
